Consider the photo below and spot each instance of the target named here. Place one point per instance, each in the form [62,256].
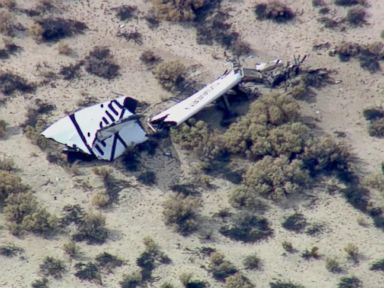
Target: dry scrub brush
[220,267]
[275,11]
[3,128]
[170,74]
[100,62]
[178,10]
[238,280]
[55,29]
[91,228]
[10,83]
[52,267]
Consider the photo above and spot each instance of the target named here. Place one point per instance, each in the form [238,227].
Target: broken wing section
[80,130]
[182,111]
[111,142]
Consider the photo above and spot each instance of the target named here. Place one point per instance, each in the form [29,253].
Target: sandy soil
[139,211]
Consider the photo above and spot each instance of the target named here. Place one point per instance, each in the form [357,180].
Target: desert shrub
[7,23]
[238,281]
[314,229]
[108,261]
[373,113]
[350,282]
[10,250]
[350,2]
[376,128]
[378,265]
[150,258]
[357,16]
[55,29]
[72,214]
[101,200]
[347,50]
[71,71]
[317,78]
[100,62]
[221,268]
[149,57]
[134,35]
[352,252]
[88,271]
[125,12]
[40,222]
[287,246]
[252,262]
[357,196]
[170,74]
[318,3]
[295,222]
[35,113]
[52,267]
[3,128]
[247,228]
[325,156]
[40,283]
[9,4]
[132,280]
[71,249]
[283,284]
[10,83]
[181,212]
[147,178]
[9,49]
[188,281]
[10,184]
[92,229]
[333,265]
[274,178]
[312,253]
[172,10]
[275,11]
[64,48]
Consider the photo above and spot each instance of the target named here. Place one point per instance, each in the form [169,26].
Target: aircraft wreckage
[106,130]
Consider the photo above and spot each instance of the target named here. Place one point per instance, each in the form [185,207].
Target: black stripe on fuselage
[80,132]
[114,144]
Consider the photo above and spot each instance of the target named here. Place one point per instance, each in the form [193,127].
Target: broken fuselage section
[104,130]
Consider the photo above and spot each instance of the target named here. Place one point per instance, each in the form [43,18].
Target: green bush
[52,267]
[238,281]
[275,178]
[295,222]
[283,284]
[92,229]
[350,282]
[378,265]
[275,11]
[247,228]
[108,261]
[88,271]
[181,212]
[172,10]
[131,280]
[252,262]
[170,74]
[221,268]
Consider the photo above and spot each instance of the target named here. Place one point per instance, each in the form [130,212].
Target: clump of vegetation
[170,74]
[247,228]
[333,265]
[350,282]
[55,29]
[40,283]
[150,58]
[274,178]
[92,229]
[221,268]
[132,280]
[352,252]
[72,214]
[238,280]
[147,178]
[188,281]
[10,83]
[3,128]
[7,164]
[275,11]
[295,222]
[252,262]
[10,250]
[71,249]
[182,212]
[108,261]
[71,71]
[88,271]
[64,48]
[150,258]
[100,62]
[287,246]
[9,49]
[313,253]
[378,265]
[375,118]
[52,267]
[283,284]
[350,2]
[125,12]
[134,35]
[8,25]
[176,11]
[357,16]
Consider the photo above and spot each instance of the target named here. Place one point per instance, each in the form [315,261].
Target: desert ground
[138,213]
